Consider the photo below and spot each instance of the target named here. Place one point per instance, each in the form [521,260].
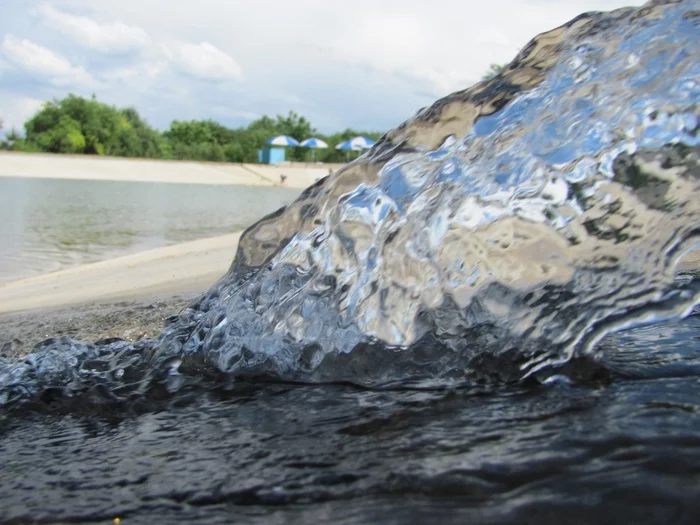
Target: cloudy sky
[367,64]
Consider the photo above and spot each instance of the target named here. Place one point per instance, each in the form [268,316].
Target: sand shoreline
[48,166]
[189,267]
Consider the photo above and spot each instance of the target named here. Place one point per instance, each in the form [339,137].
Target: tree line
[81,125]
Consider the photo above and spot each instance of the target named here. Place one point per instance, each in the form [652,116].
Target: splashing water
[498,234]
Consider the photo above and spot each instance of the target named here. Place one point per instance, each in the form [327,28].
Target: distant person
[283,178]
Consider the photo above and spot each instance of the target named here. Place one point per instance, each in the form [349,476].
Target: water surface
[617,447]
[51,224]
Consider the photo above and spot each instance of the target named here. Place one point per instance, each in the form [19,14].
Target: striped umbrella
[355,144]
[314,144]
[283,140]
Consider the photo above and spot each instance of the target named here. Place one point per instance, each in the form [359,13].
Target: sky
[365,64]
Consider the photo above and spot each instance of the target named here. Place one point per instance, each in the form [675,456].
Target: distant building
[271,156]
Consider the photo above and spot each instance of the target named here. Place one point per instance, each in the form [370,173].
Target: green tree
[294,125]
[53,131]
[79,125]
[135,138]
[14,142]
[494,69]
[84,125]
[201,140]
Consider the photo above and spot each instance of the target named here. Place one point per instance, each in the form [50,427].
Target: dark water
[621,446]
[51,224]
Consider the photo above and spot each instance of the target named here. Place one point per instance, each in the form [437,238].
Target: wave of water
[498,234]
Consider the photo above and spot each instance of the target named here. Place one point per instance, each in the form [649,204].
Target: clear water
[617,448]
[51,224]
[481,320]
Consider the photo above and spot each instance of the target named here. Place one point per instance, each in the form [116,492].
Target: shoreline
[189,267]
[73,167]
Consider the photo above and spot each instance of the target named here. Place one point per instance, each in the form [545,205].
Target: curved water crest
[496,235]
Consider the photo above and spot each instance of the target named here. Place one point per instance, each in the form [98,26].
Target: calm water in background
[51,224]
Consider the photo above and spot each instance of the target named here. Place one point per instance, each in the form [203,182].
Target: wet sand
[131,320]
[127,297]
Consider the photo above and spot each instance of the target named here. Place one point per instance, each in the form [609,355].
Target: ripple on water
[626,449]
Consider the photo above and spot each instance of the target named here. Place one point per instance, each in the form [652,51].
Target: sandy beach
[127,297]
[182,268]
[145,170]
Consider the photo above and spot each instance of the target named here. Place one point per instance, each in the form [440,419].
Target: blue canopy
[283,140]
[355,144]
[313,143]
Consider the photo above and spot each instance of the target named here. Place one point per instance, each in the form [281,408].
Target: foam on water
[497,234]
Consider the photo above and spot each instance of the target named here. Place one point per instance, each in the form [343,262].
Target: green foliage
[79,125]
[210,141]
[201,140]
[13,141]
[494,69]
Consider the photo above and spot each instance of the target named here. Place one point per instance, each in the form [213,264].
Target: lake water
[52,224]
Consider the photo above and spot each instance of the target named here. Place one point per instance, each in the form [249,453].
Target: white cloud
[115,37]
[448,48]
[371,66]
[41,62]
[136,74]
[4,66]
[15,110]
[414,47]
[203,61]
[229,112]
